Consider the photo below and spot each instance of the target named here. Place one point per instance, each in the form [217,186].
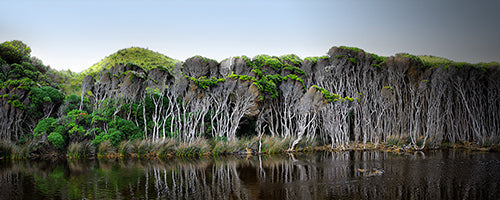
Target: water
[345,175]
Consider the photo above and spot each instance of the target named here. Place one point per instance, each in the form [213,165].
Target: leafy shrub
[120,129]
[14,51]
[129,129]
[294,59]
[264,60]
[355,49]
[327,94]
[379,60]
[42,97]
[16,103]
[71,102]
[205,82]
[45,126]
[314,60]
[294,77]
[417,59]
[56,139]
[294,70]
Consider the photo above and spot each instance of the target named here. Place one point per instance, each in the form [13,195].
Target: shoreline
[143,150]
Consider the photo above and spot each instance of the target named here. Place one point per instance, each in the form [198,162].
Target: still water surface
[340,175]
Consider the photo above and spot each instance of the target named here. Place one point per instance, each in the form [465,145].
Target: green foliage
[197,148]
[333,97]
[129,129]
[144,58]
[45,126]
[66,80]
[486,66]
[242,77]
[47,94]
[378,60]
[205,82]
[355,49]
[292,58]
[16,103]
[294,70]
[314,60]
[417,59]
[2,62]
[3,78]
[25,70]
[294,77]
[56,139]
[72,102]
[79,116]
[435,61]
[14,51]
[388,87]
[265,60]
[25,83]
[267,84]
[327,94]
[120,129]
[353,60]
[206,60]
[41,97]
[247,60]
[78,150]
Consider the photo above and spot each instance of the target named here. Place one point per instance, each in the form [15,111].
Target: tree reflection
[329,175]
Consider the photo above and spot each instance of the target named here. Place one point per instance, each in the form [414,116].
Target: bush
[43,97]
[128,128]
[45,126]
[113,136]
[14,51]
[56,139]
[71,102]
[16,103]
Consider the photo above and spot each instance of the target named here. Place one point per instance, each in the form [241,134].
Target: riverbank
[170,148]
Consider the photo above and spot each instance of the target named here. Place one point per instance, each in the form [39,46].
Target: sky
[77,34]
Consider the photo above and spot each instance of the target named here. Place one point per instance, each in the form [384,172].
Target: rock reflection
[334,175]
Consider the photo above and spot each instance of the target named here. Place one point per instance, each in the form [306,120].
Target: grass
[274,145]
[12,151]
[199,147]
[224,147]
[397,140]
[166,148]
[106,150]
[169,147]
[144,58]
[125,148]
[79,150]
[435,61]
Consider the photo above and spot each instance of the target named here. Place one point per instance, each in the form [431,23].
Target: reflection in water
[337,175]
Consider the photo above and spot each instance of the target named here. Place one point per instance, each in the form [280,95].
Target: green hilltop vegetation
[144,58]
[435,61]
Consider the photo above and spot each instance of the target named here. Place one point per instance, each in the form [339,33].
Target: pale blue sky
[76,34]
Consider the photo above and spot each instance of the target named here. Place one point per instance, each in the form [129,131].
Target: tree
[56,139]
[14,51]
[44,100]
